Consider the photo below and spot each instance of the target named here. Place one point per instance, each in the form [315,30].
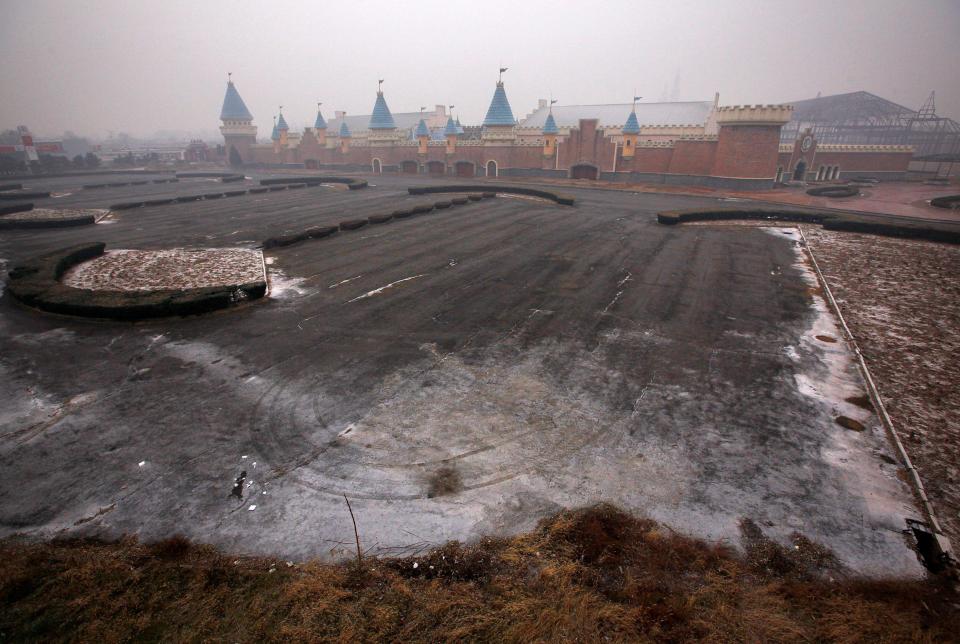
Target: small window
[628,143]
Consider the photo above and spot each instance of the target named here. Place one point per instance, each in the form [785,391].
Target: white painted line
[377,291]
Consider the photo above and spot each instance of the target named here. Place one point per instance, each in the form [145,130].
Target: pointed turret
[631,131]
[422,134]
[320,127]
[381,119]
[451,128]
[499,112]
[550,132]
[550,125]
[234,109]
[282,128]
[237,128]
[451,133]
[345,136]
[275,137]
[499,123]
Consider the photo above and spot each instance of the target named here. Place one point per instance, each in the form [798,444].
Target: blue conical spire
[320,124]
[499,112]
[344,130]
[422,129]
[282,123]
[451,129]
[381,119]
[550,126]
[459,127]
[275,135]
[233,106]
[631,126]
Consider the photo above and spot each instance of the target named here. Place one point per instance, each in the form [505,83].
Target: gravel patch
[179,268]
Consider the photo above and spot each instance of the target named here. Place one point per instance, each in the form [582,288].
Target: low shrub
[310,233]
[16,196]
[947,201]
[834,192]
[353,224]
[17,207]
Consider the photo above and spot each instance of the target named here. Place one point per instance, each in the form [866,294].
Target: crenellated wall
[745,153]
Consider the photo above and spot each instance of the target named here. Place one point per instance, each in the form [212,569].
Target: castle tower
[283,129]
[275,137]
[238,130]
[320,127]
[499,124]
[450,132]
[382,127]
[748,141]
[345,136]
[422,134]
[550,132]
[631,131]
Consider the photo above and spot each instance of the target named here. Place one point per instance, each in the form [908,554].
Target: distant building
[698,143]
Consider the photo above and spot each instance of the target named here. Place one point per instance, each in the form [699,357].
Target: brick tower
[748,142]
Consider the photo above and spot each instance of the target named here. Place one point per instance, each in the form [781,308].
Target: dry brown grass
[588,575]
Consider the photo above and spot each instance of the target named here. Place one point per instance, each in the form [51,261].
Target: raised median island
[564,200]
[890,226]
[86,280]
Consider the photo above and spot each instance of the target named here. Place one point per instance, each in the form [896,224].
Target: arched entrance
[436,168]
[800,171]
[464,169]
[409,167]
[491,168]
[377,166]
[584,171]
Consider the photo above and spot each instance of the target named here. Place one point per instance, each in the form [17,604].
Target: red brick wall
[587,144]
[645,160]
[693,157]
[747,151]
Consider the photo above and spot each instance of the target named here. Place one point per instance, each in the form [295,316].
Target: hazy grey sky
[142,66]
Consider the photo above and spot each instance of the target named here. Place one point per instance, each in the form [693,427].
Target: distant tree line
[48,164]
